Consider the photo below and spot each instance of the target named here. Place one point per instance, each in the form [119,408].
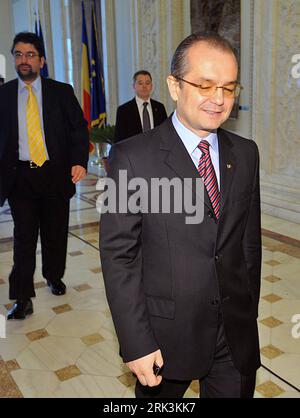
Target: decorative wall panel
[276,105]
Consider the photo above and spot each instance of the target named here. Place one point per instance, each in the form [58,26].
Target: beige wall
[276,104]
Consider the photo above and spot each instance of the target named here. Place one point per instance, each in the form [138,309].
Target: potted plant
[102,138]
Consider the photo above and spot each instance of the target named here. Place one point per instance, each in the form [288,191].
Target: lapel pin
[229,165]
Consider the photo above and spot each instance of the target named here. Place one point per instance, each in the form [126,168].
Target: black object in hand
[156,369]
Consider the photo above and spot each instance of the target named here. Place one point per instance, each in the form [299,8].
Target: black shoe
[20,309]
[57,288]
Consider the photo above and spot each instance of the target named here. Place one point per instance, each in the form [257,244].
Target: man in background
[44,151]
[141,113]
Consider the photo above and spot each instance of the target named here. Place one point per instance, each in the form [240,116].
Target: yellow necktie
[37,148]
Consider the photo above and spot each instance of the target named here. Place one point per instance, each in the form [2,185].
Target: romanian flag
[85,75]
[44,70]
[39,33]
[98,110]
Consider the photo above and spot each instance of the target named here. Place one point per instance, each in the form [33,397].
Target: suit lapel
[177,158]
[136,117]
[46,98]
[227,165]
[14,113]
[50,105]
[154,112]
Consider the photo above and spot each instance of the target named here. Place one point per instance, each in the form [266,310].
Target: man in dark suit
[141,113]
[184,297]
[43,154]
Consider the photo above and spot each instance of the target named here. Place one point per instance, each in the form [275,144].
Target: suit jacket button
[217,258]
[215,302]
[209,214]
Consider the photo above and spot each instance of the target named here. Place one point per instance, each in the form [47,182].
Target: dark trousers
[223,380]
[36,206]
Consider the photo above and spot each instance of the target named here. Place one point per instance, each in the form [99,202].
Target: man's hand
[143,368]
[78,173]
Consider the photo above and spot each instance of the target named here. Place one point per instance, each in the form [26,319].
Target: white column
[109,59]
[243,124]
[22,20]
[125,67]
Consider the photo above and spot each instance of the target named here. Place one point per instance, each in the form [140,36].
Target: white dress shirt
[191,142]
[140,104]
[24,153]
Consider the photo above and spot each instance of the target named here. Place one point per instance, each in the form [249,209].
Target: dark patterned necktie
[146,118]
[207,172]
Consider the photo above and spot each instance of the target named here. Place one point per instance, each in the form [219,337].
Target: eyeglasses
[28,55]
[208,89]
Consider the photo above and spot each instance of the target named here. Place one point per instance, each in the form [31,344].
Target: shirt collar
[190,139]
[141,101]
[36,85]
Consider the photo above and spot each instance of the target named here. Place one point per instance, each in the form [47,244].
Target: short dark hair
[29,38]
[141,72]
[179,61]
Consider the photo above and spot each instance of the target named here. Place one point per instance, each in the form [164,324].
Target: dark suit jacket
[164,278]
[65,130]
[128,121]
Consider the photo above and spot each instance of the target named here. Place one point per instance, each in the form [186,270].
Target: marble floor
[68,347]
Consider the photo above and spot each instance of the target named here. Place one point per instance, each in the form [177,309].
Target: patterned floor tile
[269,389]
[270,351]
[127,379]
[35,383]
[96,270]
[40,285]
[272,263]
[272,298]
[37,335]
[272,278]
[12,365]
[92,339]
[62,308]
[194,386]
[8,387]
[271,322]
[68,372]
[75,253]
[82,287]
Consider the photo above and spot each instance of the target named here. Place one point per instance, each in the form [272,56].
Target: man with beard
[43,154]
